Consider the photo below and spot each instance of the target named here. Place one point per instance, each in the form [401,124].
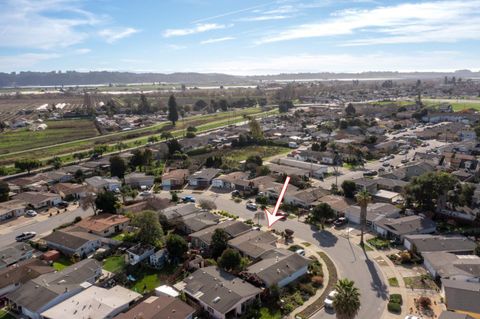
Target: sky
[239,37]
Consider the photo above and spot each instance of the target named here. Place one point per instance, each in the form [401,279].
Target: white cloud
[416,61]
[82,51]
[113,35]
[29,24]
[216,40]
[24,61]
[265,18]
[198,28]
[441,21]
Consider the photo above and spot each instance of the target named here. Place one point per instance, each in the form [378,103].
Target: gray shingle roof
[461,295]
[430,243]
[254,243]
[232,227]
[70,239]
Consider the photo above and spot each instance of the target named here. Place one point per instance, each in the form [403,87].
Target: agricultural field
[132,138]
[62,131]
[457,104]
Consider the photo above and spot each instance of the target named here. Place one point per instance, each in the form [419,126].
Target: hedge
[396,298]
[394,307]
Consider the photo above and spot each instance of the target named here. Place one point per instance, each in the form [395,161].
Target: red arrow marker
[272,218]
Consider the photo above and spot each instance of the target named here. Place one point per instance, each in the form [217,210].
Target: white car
[329,299]
[252,206]
[411,317]
[301,252]
[31,213]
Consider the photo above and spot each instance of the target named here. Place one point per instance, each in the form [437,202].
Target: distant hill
[106,77]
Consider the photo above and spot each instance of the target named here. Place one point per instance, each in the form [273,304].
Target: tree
[117,166]
[27,164]
[347,301]
[321,213]
[56,162]
[128,191]
[172,110]
[200,105]
[255,129]
[173,146]
[100,149]
[166,135]
[350,110]
[144,106]
[429,191]
[174,197]
[349,188]
[207,204]
[106,202]
[176,246]
[149,231]
[363,199]
[88,201]
[79,176]
[4,191]
[230,259]
[219,242]
[284,106]
[223,104]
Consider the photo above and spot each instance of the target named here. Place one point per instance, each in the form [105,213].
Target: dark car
[283,214]
[342,221]
[188,199]
[62,204]
[370,173]
[26,236]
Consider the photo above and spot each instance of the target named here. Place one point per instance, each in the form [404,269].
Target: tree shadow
[377,284]
[325,238]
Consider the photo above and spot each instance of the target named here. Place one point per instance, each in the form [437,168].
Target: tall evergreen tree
[172,109]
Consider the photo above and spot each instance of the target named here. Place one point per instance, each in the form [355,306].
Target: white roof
[166,290]
[94,302]
[386,194]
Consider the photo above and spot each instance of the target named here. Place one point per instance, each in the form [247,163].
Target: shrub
[396,298]
[394,307]
[77,219]
[424,302]
[308,289]
[317,281]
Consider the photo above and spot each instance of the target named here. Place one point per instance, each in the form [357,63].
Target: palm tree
[347,301]
[363,198]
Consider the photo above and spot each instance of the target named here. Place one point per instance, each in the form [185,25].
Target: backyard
[147,279]
[61,263]
[420,282]
[114,264]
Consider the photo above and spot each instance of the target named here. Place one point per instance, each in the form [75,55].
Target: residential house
[306,198]
[387,147]
[99,184]
[274,189]
[391,185]
[139,253]
[375,211]
[174,215]
[279,267]
[56,176]
[94,302]
[454,161]
[13,276]
[462,213]
[462,296]
[159,307]
[174,179]
[406,225]
[254,243]
[407,172]
[456,244]
[48,290]
[454,315]
[367,184]
[387,197]
[443,265]
[73,241]
[430,158]
[316,170]
[327,158]
[198,221]
[70,191]
[228,181]
[39,200]
[203,238]
[14,253]
[203,178]
[280,170]
[139,180]
[158,258]
[73,169]
[104,224]
[338,203]
[219,293]
[12,209]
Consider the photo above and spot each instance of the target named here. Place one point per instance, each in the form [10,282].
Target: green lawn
[114,263]
[379,243]
[62,263]
[266,313]
[457,104]
[57,132]
[393,282]
[148,279]
[367,247]
[5,315]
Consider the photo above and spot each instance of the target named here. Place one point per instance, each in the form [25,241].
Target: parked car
[329,299]
[188,199]
[411,317]
[404,161]
[26,236]
[235,193]
[370,173]
[301,252]
[31,213]
[145,194]
[283,214]
[341,221]
[62,204]
[386,164]
[251,205]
